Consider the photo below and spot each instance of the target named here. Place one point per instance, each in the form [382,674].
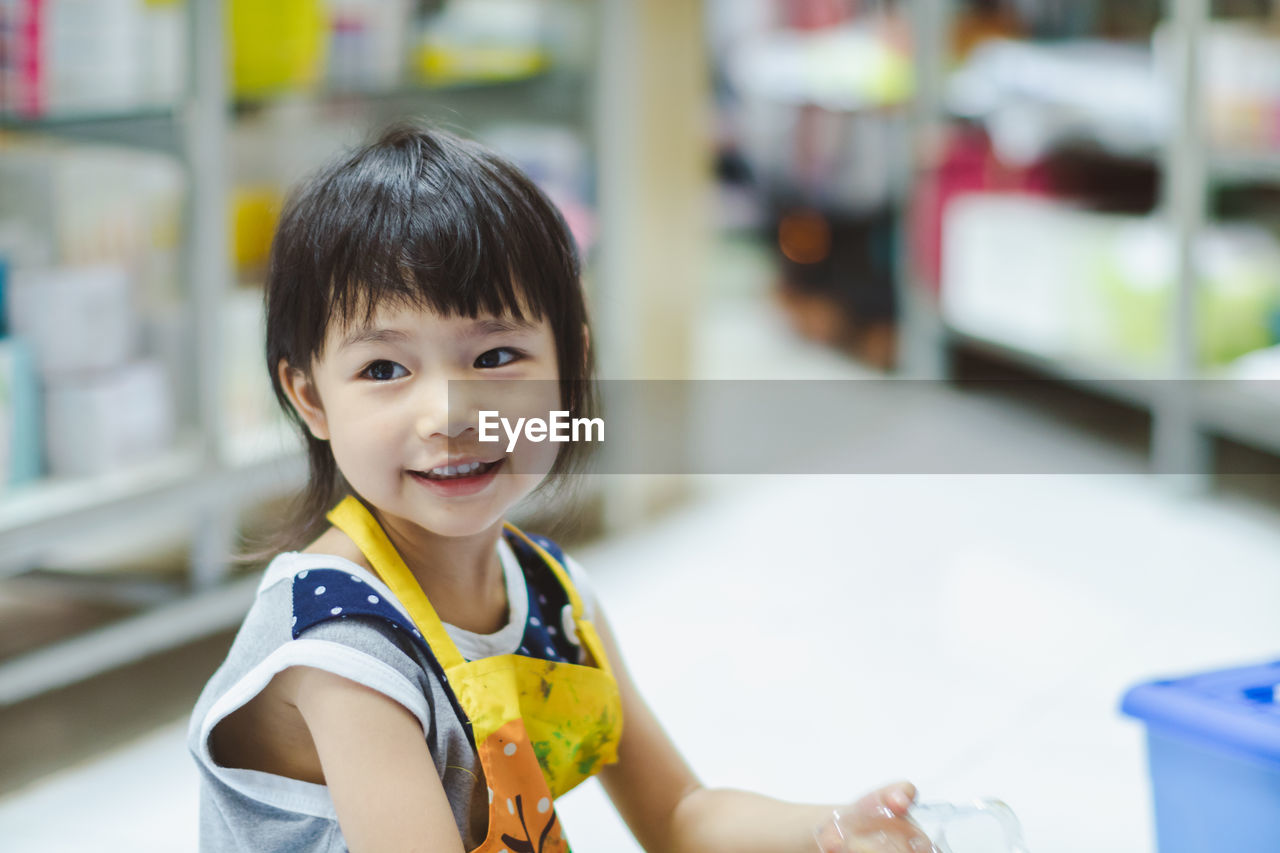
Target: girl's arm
[379,771]
[669,811]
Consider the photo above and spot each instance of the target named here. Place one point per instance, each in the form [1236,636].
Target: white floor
[814,637]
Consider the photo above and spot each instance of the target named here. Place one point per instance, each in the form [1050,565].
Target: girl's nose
[444,410]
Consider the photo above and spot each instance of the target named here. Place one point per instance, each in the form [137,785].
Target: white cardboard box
[77,318]
[99,422]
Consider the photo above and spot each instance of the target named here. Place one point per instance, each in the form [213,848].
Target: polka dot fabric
[322,594]
[549,632]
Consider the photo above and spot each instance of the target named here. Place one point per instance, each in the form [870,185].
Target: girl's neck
[462,577]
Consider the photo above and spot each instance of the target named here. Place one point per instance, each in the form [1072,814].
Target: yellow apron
[540,727]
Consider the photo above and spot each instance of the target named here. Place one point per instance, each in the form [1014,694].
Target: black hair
[419,218]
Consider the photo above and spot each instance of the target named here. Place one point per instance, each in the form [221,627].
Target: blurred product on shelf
[836,279]
[255,208]
[1062,282]
[4,287]
[556,159]
[848,67]
[1054,20]
[95,204]
[483,40]
[61,57]
[1242,88]
[821,129]
[107,420]
[977,23]
[1259,364]
[1238,290]
[823,113]
[373,46]
[97,302]
[965,164]
[271,148]
[1033,96]
[367,41]
[275,147]
[20,433]
[276,47]
[249,405]
[78,319]
[104,409]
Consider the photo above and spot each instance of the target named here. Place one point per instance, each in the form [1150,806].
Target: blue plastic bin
[1214,745]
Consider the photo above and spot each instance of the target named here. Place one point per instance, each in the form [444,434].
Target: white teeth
[456,470]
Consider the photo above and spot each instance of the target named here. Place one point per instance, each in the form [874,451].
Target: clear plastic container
[979,826]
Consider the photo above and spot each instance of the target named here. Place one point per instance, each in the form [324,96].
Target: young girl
[418,675]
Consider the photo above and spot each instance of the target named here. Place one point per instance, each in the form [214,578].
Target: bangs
[431,222]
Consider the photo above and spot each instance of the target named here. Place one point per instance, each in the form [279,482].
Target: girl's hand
[877,823]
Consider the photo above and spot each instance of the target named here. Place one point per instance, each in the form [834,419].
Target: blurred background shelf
[1242,168]
[1117,384]
[61,120]
[1133,293]
[1243,410]
[38,513]
[156,629]
[511,87]
[254,99]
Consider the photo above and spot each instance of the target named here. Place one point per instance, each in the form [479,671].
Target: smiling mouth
[459,472]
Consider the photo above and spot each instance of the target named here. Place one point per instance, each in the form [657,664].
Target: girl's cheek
[535,459]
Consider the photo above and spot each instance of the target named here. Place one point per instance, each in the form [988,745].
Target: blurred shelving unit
[197,483]
[213,476]
[1189,408]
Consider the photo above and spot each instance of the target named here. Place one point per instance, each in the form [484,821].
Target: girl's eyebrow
[479,328]
[496,325]
[366,336]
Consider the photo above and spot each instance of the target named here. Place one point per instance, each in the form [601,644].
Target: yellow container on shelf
[1237,292]
[277,46]
[442,65]
[255,210]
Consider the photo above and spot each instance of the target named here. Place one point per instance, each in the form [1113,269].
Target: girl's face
[381,396]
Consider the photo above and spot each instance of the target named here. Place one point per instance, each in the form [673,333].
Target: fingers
[897,798]
[890,839]
[877,823]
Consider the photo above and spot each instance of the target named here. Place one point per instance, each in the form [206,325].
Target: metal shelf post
[1179,447]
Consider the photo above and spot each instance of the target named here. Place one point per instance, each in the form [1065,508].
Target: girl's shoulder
[332,550]
[333,542]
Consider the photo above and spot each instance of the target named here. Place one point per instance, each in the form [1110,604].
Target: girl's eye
[383,371]
[498,357]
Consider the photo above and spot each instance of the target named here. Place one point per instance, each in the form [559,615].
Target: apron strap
[586,631]
[354,519]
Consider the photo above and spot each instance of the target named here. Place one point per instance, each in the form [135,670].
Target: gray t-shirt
[373,644]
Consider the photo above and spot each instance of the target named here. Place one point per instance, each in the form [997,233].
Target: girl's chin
[460,518]
[456,525]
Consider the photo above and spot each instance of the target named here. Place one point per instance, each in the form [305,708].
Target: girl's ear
[305,399]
